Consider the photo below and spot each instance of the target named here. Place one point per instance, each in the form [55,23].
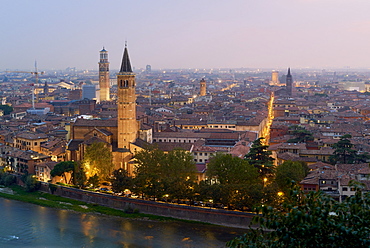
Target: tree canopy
[343,152]
[311,220]
[260,158]
[301,135]
[290,171]
[98,160]
[62,168]
[158,173]
[121,181]
[6,108]
[227,169]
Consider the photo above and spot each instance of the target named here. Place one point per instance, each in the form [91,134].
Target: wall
[214,216]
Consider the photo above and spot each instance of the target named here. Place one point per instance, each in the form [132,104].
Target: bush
[9,180]
[31,183]
[53,188]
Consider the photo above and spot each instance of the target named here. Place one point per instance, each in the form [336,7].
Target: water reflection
[26,225]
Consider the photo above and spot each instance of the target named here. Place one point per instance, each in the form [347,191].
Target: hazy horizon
[325,34]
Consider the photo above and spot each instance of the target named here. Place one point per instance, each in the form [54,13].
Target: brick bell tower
[127,124]
[203,87]
[104,76]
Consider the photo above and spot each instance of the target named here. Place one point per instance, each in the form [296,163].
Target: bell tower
[289,83]
[127,124]
[104,76]
[203,87]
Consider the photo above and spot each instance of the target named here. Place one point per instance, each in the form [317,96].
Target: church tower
[203,87]
[289,83]
[104,76]
[127,124]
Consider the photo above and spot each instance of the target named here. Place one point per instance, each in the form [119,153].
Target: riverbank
[53,201]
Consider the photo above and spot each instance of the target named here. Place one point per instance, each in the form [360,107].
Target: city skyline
[186,34]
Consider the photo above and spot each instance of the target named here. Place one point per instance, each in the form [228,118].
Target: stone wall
[214,216]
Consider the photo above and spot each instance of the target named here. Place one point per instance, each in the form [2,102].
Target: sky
[172,34]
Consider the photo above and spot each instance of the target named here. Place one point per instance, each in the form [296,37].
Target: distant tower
[289,83]
[148,68]
[46,88]
[275,78]
[127,124]
[203,87]
[104,75]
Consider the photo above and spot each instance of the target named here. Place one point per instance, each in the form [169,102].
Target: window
[352,189]
[195,160]
[200,160]
[205,154]
[345,189]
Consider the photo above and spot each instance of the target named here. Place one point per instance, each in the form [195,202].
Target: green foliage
[94,181]
[232,181]
[98,160]
[227,169]
[301,134]
[121,181]
[7,109]
[31,183]
[8,180]
[53,188]
[157,173]
[290,171]
[79,176]
[62,168]
[343,153]
[260,158]
[311,220]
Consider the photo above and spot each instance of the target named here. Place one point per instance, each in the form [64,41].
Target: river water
[28,225]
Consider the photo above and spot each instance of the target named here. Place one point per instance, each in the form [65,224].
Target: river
[27,225]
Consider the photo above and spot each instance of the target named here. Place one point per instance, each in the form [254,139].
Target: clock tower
[104,76]
[127,124]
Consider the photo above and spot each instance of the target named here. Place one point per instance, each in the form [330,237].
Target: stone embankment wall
[214,216]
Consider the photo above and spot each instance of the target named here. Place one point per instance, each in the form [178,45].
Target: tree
[290,171]
[121,181]
[311,220]
[343,152]
[6,108]
[94,181]
[235,182]
[260,158]
[148,173]
[98,160]
[301,134]
[157,173]
[62,168]
[31,183]
[79,176]
[180,174]
[227,169]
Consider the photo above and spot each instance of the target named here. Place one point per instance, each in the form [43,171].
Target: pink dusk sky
[185,34]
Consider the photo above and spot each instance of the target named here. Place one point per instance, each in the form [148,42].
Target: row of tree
[231,181]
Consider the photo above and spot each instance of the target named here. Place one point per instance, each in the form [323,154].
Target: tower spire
[289,72]
[126,64]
